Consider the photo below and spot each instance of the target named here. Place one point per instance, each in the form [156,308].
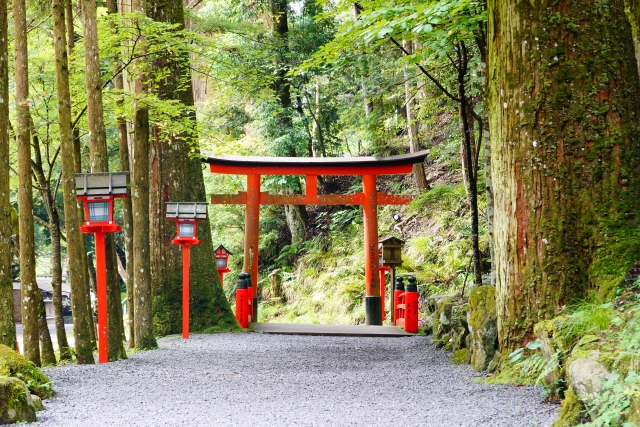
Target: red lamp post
[222,262]
[98,191]
[186,215]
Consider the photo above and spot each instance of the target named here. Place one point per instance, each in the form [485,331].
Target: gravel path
[268,380]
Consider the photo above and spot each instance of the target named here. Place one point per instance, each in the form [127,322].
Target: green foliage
[608,407]
[533,366]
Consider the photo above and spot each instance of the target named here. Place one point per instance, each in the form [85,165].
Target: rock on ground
[15,401]
[270,380]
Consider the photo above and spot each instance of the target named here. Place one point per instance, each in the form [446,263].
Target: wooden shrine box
[391,251]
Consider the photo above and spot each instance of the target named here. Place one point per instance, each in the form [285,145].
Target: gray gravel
[268,380]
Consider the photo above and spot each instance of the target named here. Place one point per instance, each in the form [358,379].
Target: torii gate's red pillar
[252,237]
[372,299]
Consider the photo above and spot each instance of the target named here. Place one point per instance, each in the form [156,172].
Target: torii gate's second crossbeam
[370,198]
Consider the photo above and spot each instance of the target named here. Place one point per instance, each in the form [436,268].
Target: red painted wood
[309,199]
[370,208]
[101,279]
[252,230]
[185,290]
[311,169]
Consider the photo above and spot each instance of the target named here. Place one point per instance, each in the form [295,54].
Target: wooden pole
[372,303]
[251,237]
[185,290]
[101,278]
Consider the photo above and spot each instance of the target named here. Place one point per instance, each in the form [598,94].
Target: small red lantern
[222,261]
[186,216]
[98,191]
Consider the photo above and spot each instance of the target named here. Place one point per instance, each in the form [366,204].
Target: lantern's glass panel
[186,229]
[98,211]
[221,262]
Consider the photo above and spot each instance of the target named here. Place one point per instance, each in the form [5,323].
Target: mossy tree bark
[176,173]
[633,13]
[7,320]
[123,148]
[28,285]
[565,157]
[47,193]
[100,163]
[143,321]
[82,323]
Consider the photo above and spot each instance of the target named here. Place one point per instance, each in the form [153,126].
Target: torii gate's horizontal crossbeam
[243,165]
[305,199]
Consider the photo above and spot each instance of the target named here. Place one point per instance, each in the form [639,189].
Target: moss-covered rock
[483,326]
[495,362]
[12,364]
[442,318]
[432,301]
[586,373]
[571,410]
[37,403]
[15,401]
[461,357]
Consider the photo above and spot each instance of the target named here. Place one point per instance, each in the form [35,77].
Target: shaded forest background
[528,110]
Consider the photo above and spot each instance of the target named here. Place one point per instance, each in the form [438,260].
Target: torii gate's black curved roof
[254,161]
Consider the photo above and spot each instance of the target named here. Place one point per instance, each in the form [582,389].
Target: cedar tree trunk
[100,163]
[7,320]
[28,286]
[82,321]
[176,173]
[565,156]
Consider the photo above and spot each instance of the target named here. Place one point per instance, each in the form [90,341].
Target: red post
[411,306]
[101,279]
[373,304]
[185,290]
[242,305]
[382,292]
[383,270]
[398,298]
[251,237]
[221,277]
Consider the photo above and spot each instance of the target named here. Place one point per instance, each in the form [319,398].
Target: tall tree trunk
[123,146]
[143,322]
[56,285]
[46,192]
[100,163]
[29,287]
[82,322]
[7,319]
[178,177]
[469,150]
[46,349]
[565,156]
[77,155]
[412,128]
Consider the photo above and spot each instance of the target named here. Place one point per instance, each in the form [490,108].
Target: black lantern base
[373,310]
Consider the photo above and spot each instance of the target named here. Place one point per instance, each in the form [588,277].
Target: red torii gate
[370,198]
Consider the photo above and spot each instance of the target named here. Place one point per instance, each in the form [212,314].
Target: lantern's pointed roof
[314,165]
[222,249]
